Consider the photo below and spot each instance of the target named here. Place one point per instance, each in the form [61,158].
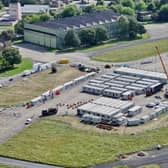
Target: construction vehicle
[48,112]
[164,68]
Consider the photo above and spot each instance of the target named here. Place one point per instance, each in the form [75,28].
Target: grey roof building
[52,33]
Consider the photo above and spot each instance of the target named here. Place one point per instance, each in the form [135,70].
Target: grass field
[3,28]
[7,166]
[56,142]
[24,65]
[134,52]
[22,91]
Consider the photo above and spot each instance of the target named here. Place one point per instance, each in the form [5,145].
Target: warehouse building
[51,33]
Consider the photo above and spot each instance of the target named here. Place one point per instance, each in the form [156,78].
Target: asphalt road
[24,164]
[153,157]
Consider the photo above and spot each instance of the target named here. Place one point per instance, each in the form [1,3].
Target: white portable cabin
[118,88]
[124,107]
[145,118]
[125,79]
[134,111]
[91,118]
[142,73]
[108,77]
[99,85]
[120,121]
[150,80]
[36,100]
[130,77]
[92,89]
[137,90]
[112,93]
[144,83]
[139,85]
[69,84]
[114,85]
[133,121]
[119,82]
[117,116]
[126,95]
[96,81]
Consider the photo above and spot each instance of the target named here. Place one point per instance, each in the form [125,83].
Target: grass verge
[150,166]
[22,91]
[8,166]
[24,65]
[139,51]
[56,142]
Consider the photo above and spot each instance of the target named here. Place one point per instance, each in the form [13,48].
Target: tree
[123,24]
[70,10]
[140,6]
[72,39]
[128,3]
[90,9]
[151,6]
[100,2]
[11,56]
[101,34]
[44,17]
[7,35]
[87,36]
[133,27]
[127,11]
[141,29]
[19,27]
[163,13]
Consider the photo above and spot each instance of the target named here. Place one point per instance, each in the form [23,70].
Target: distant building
[58,3]
[15,12]
[34,9]
[51,33]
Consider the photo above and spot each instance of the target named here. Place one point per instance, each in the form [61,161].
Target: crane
[164,68]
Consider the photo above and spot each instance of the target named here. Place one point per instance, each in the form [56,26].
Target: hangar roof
[80,21]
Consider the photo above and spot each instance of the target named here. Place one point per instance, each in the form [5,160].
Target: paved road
[24,164]
[153,157]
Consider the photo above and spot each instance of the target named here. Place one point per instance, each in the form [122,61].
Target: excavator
[164,69]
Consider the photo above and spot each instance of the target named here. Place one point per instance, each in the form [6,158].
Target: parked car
[28,121]
[146,62]
[152,104]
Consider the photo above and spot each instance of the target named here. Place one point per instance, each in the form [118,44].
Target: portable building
[144,83]
[133,121]
[114,85]
[152,115]
[150,80]
[124,107]
[89,118]
[69,84]
[112,93]
[134,111]
[145,118]
[125,79]
[120,121]
[142,73]
[108,77]
[137,90]
[117,116]
[96,81]
[118,88]
[119,82]
[139,85]
[99,85]
[130,77]
[92,89]
[36,100]
[128,95]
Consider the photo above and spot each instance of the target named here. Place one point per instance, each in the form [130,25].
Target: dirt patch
[36,84]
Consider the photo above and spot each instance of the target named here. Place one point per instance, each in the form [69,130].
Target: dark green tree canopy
[72,39]
[11,56]
[101,34]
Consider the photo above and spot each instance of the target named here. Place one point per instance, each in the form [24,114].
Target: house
[51,33]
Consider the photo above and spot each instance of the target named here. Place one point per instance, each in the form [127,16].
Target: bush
[63,61]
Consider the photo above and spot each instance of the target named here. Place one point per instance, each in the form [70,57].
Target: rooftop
[78,21]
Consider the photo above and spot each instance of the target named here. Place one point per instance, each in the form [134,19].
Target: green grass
[56,142]
[24,65]
[121,166]
[134,52]
[150,166]
[8,166]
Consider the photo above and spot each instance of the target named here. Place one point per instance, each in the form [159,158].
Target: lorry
[48,112]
